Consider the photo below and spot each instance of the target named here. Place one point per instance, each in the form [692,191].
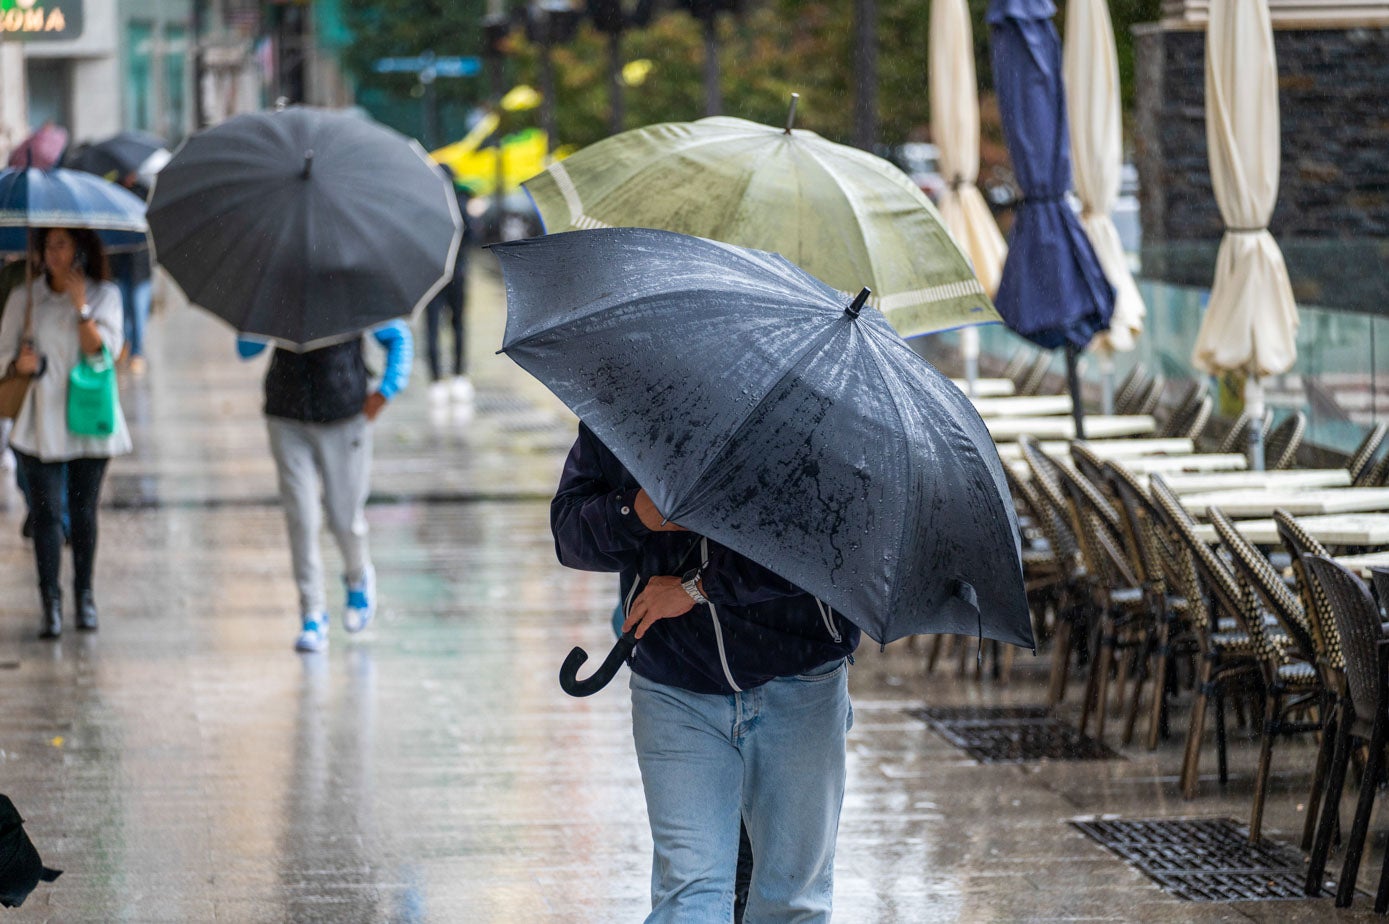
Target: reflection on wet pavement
[185,765]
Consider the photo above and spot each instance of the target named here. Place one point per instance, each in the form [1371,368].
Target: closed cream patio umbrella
[1090,66]
[955,131]
[1251,321]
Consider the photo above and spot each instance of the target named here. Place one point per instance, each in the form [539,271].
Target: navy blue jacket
[759,626]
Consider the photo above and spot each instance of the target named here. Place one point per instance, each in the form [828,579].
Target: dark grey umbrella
[759,407]
[21,870]
[304,226]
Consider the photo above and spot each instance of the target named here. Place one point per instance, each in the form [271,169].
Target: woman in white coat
[76,310]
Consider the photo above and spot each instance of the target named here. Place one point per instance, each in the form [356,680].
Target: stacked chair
[1294,669]
[1280,449]
[1361,463]
[1363,720]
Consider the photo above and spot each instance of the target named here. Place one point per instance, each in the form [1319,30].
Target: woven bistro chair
[1031,381]
[1150,401]
[1131,390]
[1300,545]
[1199,420]
[1116,591]
[1361,461]
[1238,434]
[1018,364]
[1046,483]
[1280,449]
[1142,545]
[1364,720]
[1161,572]
[1232,646]
[1186,407]
[1296,682]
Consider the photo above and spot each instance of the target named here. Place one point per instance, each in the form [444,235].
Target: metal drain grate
[1203,859]
[1012,734]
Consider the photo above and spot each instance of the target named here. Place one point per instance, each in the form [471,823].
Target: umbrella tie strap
[1245,230]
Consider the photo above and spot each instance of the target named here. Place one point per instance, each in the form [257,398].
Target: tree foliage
[774,47]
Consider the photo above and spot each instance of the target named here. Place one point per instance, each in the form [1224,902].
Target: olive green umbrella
[843,215]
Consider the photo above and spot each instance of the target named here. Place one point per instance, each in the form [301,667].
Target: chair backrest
[1361,462]
[1188,411]
[1226,595]
[1301,544]
[1238,435]
[1017,365]
[1046,490]
[1141,523]
[1280,449]
[1031,382]
[1153,398]
[1357,620]
[1258,577]
[1099,533]
[1087,462]
[1131,390]
[1199,419]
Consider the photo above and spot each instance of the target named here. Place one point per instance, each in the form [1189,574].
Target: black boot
[86,611]
[51,623]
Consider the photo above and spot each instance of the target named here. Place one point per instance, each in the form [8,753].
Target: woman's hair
[90,253]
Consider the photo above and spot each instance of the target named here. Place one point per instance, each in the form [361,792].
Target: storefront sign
[40,20]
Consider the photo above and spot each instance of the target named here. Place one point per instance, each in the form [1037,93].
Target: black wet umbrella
[778,416]
[118,155]
[21,870]
[304,226]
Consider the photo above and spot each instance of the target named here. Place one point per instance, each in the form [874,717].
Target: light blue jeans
[773,755]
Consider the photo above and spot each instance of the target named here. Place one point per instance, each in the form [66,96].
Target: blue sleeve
[395,336]
[247,348]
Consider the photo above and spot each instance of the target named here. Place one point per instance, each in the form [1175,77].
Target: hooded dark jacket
[759,626]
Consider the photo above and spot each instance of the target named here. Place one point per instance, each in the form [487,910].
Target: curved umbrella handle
[569,670]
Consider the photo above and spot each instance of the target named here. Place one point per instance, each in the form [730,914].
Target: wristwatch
[85,312]
[691,584]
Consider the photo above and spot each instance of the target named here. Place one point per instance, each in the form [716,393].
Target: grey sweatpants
[331,461]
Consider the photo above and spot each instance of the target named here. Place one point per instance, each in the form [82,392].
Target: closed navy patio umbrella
[1053,290]
[784,419]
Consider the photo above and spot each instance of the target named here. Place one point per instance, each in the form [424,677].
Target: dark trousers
[46,493]
[453,298]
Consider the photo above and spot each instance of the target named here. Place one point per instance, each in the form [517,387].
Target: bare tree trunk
[866,70]
[713,98]
[619,113]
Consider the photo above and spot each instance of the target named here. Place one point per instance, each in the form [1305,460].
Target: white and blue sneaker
[361,602]
[314,635]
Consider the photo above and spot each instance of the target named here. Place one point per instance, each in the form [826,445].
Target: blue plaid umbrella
[1053,291]
[33,198]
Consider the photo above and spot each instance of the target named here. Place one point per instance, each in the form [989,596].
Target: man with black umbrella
[740,701]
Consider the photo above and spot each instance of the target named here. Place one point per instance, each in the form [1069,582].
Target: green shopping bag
[93,402]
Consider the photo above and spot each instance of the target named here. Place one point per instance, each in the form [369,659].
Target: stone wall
[1335,126]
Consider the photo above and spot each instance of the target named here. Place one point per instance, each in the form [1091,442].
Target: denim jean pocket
[826,671]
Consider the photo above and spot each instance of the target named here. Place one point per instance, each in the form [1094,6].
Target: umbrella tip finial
[859,300]
[791,115]
[308,163]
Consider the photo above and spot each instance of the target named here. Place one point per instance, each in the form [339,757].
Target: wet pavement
[184,764]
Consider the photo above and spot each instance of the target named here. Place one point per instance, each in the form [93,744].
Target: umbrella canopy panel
[756,411]
[846,216]
[61,198]
[1251,320]
[304,226]
[1053,291]
[1091,67]
[118,155]
[955,128]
